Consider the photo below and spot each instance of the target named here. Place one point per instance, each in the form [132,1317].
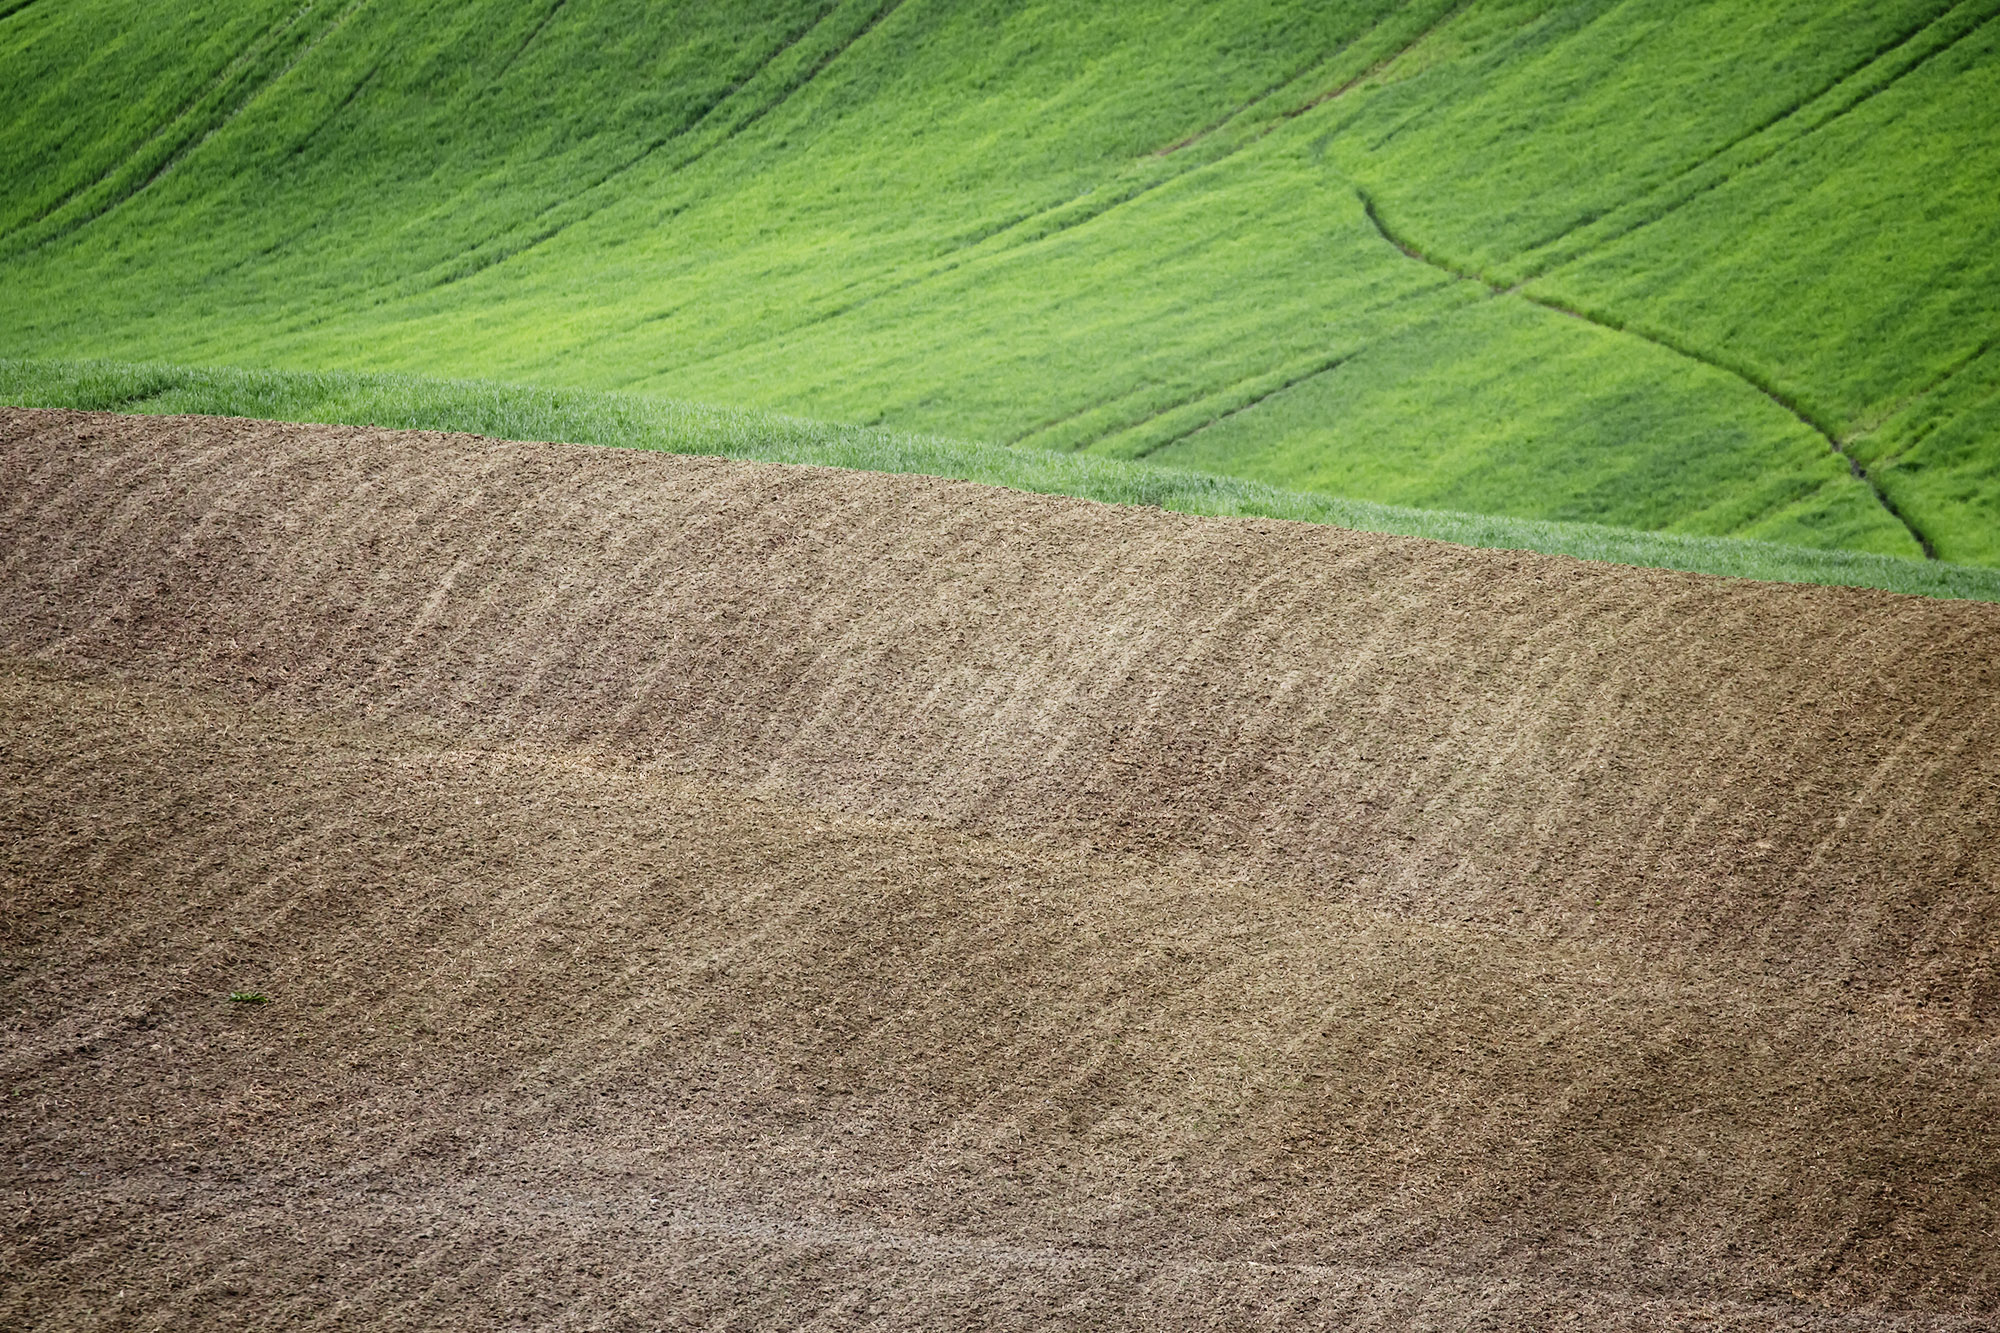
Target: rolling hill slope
[1663,266]
[689,891]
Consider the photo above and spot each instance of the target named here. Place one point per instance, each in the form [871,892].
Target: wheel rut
[579,212]
[1679,348]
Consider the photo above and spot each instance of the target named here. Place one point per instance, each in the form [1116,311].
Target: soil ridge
[1512,738]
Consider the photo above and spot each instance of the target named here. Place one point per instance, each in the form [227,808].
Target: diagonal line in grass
[249,97]
[1451,12]
[330,117]
[480,263]
[530,39]
[1689,184]
[1668,342]
[1094,203]
[245,58]
[1325,366]
[1937,382]
[251,93]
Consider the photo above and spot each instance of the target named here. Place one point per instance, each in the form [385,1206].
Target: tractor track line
[1320,99]
[728,136]
[1778,118]
[1892,81]
[1778,396]
[1322,368]
[1087,216]
[1389,335]
[229,117]
[1223,391]
[529,41]
[693,126]
[1936,383]
[335,114]
[254,89]
[1680,178]
[231,69]
[1334,95]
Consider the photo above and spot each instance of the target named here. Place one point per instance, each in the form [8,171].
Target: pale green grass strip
[519,412]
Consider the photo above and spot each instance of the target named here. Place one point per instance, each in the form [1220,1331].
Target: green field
[1702,270]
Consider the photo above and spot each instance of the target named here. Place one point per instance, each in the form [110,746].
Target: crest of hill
[1502,736]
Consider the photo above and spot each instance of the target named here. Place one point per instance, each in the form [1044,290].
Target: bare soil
[704,894]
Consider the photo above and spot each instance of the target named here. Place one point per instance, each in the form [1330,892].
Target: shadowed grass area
[519,412]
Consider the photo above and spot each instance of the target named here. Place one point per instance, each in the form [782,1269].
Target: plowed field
[705,894]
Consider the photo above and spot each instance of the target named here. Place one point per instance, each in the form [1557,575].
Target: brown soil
[704,894]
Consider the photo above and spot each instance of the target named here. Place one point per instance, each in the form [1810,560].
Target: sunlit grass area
[1648,265]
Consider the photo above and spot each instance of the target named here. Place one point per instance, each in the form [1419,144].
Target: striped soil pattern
[690,893]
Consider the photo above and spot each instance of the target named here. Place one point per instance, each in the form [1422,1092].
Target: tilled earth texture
[696,894]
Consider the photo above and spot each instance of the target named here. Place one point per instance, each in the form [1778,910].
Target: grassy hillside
[1699,269]
[520,412]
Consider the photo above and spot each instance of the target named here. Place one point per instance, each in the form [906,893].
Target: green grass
[1660,261]
[519,412]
